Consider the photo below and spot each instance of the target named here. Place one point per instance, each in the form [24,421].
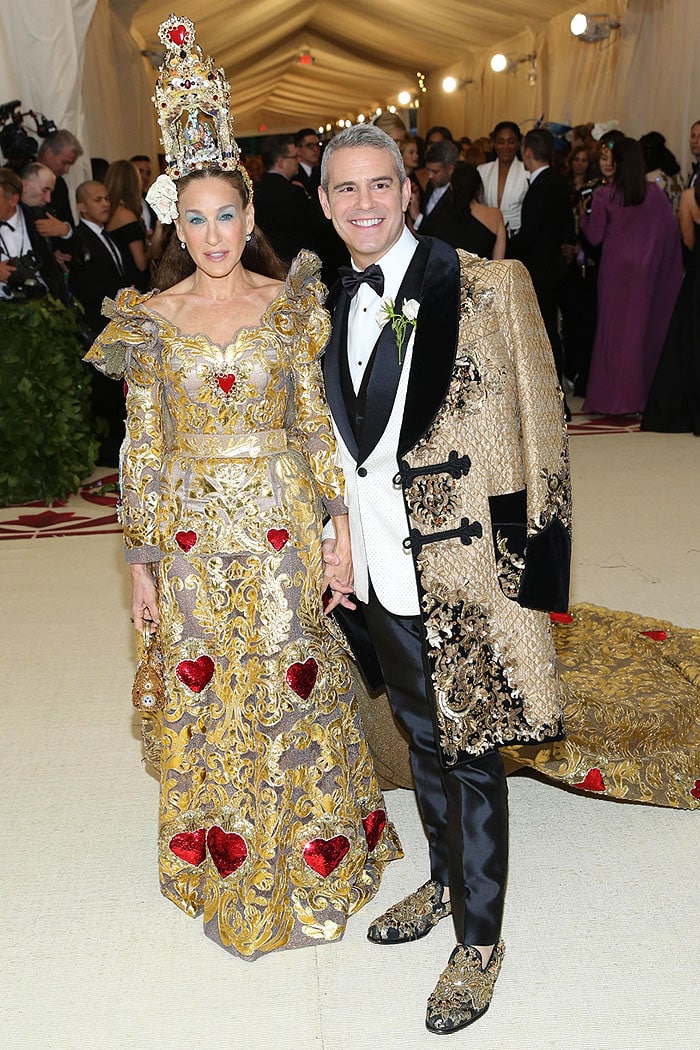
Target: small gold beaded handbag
[148,692]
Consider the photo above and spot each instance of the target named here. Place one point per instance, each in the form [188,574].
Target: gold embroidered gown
[271,818]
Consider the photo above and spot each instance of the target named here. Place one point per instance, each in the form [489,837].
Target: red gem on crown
[178,35]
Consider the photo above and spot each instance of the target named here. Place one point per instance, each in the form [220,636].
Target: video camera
[17,145]
[25,282]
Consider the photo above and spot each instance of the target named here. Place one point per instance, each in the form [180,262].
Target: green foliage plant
[47,437]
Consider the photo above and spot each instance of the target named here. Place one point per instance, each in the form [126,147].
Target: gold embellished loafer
[413,917]
[464,991]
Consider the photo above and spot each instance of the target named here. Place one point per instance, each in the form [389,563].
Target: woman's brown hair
[123,184]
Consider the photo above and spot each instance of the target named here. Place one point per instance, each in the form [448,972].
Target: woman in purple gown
[638,282]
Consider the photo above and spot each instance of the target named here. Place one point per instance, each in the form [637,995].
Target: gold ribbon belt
[232,446]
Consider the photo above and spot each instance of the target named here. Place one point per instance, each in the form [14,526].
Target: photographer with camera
[28,269]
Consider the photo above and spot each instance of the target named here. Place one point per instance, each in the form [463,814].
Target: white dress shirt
[14,242]
[363,324]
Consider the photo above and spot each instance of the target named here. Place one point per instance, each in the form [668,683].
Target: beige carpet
[601,925]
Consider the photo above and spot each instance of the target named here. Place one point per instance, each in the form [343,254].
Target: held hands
[337,574]
[5,271]
[144,599]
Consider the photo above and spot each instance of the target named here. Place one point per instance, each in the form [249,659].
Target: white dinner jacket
[377,514]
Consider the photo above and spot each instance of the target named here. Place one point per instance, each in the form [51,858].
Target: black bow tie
[352,279]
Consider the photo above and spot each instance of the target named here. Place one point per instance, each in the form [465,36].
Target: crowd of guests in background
[606,225]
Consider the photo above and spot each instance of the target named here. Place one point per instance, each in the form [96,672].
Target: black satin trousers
[464,807]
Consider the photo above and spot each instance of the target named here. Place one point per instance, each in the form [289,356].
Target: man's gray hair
[62,139]
[362,135]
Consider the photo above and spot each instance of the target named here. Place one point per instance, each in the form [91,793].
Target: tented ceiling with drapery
[80,61]
[362,52]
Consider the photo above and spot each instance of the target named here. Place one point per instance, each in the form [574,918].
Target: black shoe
[413,917]
[464,991]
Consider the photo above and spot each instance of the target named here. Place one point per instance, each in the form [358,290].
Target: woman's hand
[144,599]
[337,566]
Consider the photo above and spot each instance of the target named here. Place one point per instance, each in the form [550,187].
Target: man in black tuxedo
[308,147]
[284,213]
[100,275]
[436,211]
[287,216]
[59,152]
[448,423]
[547,227]
[148,216]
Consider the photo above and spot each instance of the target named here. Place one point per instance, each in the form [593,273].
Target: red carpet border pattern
[91,511]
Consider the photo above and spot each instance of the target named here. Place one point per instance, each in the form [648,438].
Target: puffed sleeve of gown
[127,348]
[544,582]
[309,423]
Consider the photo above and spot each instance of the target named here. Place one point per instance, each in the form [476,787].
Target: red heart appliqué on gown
[374,824]
[593,781]
[302,677]
[695,791]
[226,383]
[561,617]
[656,636]
[186,540]
[277,538]
[324,855]
[195,674]
[178,35]
[227,849]
[190,846]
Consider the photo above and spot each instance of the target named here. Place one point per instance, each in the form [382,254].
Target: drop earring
[183,245]
[248,236]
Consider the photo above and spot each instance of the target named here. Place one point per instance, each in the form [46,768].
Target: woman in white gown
[505,179]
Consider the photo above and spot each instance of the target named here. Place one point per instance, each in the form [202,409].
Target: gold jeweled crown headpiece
[192,100]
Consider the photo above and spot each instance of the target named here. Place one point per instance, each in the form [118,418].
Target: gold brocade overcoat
[483,465]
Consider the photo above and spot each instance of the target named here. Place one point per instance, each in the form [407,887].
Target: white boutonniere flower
[399,321]
[162,196]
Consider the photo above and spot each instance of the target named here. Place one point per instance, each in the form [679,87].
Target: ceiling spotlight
[592,28]
[451,84]
[321,129]
[509,64]
[361,118]
[404,97]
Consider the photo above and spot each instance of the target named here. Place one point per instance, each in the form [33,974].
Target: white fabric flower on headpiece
[600,129]
[162,196]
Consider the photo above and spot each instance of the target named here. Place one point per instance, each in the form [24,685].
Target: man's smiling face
[365,200]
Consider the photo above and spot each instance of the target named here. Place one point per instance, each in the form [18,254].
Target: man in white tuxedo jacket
[450,431]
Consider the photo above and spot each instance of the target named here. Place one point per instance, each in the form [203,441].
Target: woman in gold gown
[272,823]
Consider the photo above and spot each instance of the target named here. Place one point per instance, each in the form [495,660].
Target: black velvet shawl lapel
[435,345]
[376,402]
[337,345]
